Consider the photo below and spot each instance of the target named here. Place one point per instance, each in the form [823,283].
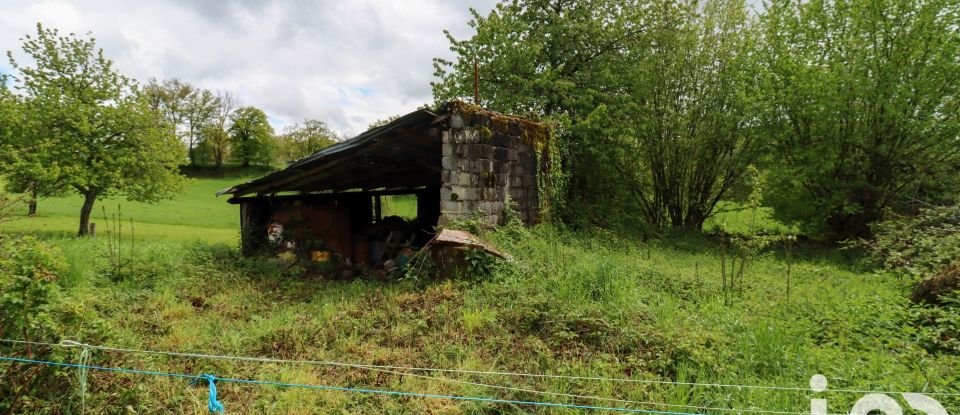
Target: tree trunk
[190,155]
[32,205]
[89,197]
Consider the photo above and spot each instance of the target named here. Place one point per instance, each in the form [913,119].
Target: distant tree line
[848,107]
[72,123]
[216,129]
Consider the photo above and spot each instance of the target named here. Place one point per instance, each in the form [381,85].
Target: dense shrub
[29,294]
[918,246]
[938,327]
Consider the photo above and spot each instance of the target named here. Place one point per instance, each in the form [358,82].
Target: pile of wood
[933,288]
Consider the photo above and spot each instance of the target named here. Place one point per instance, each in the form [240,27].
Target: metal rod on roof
[476,83]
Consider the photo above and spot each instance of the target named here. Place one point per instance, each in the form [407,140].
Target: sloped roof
[404,153]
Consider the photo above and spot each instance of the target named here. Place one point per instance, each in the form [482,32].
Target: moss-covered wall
[489,163]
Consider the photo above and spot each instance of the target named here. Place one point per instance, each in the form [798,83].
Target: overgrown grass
[595,304]
[586,304]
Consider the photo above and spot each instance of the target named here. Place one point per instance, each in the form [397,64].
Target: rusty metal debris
[454,237]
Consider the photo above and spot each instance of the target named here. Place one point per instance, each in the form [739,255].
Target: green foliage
[213,146]
[89,129]
[480,265]
[187,110]
[554,61]
[382,122]
[682,133]
[918,246]
[861,106]
[251,137]
[28,273]
[580,303]
[661,92]
[938,327]
[29,297]
[301,140]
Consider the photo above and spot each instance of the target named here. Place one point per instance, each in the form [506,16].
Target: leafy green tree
[681,136]
[13,129]
[301,140]
[547,58]
[653,99]
[554,60]
[251,137]
[214,139]
[862,100]
[89,129]
[186,108]
[382,122]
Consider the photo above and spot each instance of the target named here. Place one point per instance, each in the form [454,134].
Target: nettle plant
[28,288]
[918,246]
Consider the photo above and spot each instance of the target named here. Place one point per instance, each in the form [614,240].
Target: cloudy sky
[344,62]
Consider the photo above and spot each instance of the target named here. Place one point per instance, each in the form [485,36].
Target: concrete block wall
[487,165]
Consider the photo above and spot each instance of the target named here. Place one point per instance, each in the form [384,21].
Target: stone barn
[460,162]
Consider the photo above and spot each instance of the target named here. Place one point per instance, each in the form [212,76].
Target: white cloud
[345,62]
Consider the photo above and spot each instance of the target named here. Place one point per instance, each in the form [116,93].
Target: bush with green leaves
[918,246]
[937,328]
[29,295]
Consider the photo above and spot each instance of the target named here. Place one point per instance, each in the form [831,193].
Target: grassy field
[196,214]
[589,304]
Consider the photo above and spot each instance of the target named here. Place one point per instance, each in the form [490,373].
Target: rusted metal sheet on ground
[456,237]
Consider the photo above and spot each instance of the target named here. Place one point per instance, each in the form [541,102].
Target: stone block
[454,207]
[447,150]
[445,176]
[471,135]
[446,194]
[486,165]
[500,139]
[530,181]
[524,147]
[464,192]
[515,129]
[480,167]
[501,153]
[486,151]
[448,163]
[445,137]
[512,155]
[456,120]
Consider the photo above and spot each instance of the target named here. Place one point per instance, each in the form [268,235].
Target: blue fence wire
[215,406]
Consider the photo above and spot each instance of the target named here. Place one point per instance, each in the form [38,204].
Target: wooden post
[93,229]
[377,209]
